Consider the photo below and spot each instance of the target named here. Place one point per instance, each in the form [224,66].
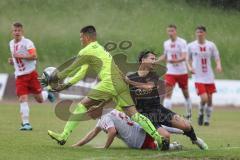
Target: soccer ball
[47,72]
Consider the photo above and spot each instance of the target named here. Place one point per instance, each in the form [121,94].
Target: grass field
[222,137]
[54,27]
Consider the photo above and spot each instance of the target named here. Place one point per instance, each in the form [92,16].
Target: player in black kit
[144,87]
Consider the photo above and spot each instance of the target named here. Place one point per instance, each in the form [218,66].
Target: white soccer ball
[47,72]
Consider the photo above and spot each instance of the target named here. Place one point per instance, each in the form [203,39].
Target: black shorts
[160,116]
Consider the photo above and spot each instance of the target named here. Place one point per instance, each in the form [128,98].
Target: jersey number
[204,65]
[20,64]
[174,56]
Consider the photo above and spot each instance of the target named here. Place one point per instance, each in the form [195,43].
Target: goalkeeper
[111,86]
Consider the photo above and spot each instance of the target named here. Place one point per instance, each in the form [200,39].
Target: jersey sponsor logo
[141,92]
[172,45]
[202,49]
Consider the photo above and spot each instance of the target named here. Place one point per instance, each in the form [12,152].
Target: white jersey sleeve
[29,44]
[215,52]
[183,46]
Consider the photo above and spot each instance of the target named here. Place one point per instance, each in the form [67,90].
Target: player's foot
[200,120]
[26,127]
[51,97]
[206,124]
[58,137]
[201,144]
[175,146]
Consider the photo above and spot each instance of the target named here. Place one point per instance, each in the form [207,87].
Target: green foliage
[54,27]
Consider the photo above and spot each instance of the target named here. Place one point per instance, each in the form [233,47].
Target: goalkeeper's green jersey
[111,85]
[98,59]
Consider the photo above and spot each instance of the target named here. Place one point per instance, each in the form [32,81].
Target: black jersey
[148,103]
[145,101]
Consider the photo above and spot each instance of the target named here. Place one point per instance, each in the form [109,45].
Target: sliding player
[118,124]
[23,58]
[175,51]
[200,53]
[147,100]
[111,86]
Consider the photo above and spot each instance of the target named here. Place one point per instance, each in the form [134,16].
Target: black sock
[191,134]
[165,144]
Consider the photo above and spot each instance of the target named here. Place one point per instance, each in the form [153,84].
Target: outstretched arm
[163,57]
[146,86]
[111,135]
[79,60]
[92,134]
[79,75]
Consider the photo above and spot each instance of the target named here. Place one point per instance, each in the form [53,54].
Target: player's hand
[148,86]
[218,69]
[126,79]
[10,61]
[191,70]
[64,86]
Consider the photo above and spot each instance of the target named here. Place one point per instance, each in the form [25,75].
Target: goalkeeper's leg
[79,115]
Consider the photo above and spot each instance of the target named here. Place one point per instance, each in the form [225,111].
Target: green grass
[222,137]
[54,27]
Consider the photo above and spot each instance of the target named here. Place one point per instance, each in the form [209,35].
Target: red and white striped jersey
[22,66]
[173,51]
[201,56]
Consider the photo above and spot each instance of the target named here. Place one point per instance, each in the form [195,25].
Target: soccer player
[117,124]
[23,58]
[175,52]
[200,53]
[148,102]
[111,86]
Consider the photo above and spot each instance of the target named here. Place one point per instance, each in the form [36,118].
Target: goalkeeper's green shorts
[118,92]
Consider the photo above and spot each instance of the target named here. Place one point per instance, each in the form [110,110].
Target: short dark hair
[89,30]
[17,24]
[201,27]
[144,54]
[172,26]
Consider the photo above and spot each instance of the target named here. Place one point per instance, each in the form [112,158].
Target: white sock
[45,95]
[167,103]
[188,106]
[24,110]
[201,109]
[173,130]
[208,112]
